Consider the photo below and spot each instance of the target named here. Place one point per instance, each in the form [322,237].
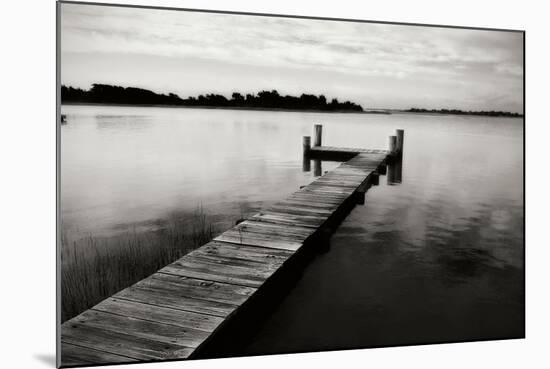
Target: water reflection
[317,168]
[306,163]
[394,172]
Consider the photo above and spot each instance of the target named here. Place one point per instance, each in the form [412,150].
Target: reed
[93,268]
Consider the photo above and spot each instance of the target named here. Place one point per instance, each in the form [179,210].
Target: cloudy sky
[375,65]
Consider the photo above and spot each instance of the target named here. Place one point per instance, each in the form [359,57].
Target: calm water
[437,257]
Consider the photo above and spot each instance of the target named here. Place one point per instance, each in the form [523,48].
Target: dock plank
[136,327]
[252,276]
[198,288]
[285,218]
[166,297]
[117,343]
[245,252]
[255,239]
[73,355]
[180,318]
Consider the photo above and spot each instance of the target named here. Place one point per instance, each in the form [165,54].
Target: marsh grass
[93,268]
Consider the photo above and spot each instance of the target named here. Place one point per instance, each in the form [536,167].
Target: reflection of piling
[306,143]
[306,163]
[395,164]
[317,139]
[317,168]
[395,169]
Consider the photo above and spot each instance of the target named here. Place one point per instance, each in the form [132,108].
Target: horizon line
[411,107]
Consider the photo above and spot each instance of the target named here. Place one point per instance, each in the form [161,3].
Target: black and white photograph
[234,184]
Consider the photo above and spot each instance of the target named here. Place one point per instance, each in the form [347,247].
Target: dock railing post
[400,137]
[318,134]
[306,145]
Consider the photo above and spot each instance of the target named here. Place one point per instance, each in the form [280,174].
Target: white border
[27,152]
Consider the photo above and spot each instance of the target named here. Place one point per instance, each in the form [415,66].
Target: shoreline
[457,115]
[377,111]
[227,108]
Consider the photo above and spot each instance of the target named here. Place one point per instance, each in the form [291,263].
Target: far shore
[454,114]
[371,111]
[230,108]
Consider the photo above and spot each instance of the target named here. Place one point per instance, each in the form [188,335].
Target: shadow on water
[394,172]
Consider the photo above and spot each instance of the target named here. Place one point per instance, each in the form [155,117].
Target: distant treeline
[108,94]
[491,113]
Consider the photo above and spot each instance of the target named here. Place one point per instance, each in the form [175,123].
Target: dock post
[399,144]
[318,134]
[307,145]
[375,179]
[360,197]
[393,144]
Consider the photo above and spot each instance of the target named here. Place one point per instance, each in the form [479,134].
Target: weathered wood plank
[198,288]
[310,191]
[180,318]
[135,327]
[72,355]
[202,269]
[316,198]
[300,209]
[168,298]
[243,251]
[262,233]
[254,239]
[283,218]
[121,344]
[251,225]
[349,150]
[294,202]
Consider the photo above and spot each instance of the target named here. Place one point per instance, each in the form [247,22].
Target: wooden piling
[393,144]
[318,135]
[360,197]
[306,145]
[400,138]
[375,179]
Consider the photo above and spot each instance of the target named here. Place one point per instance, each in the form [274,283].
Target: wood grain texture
[155,313]
[78,356]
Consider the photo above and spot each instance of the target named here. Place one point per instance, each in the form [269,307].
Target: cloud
[405,55]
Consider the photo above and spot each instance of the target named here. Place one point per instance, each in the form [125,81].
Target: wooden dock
[179,311]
